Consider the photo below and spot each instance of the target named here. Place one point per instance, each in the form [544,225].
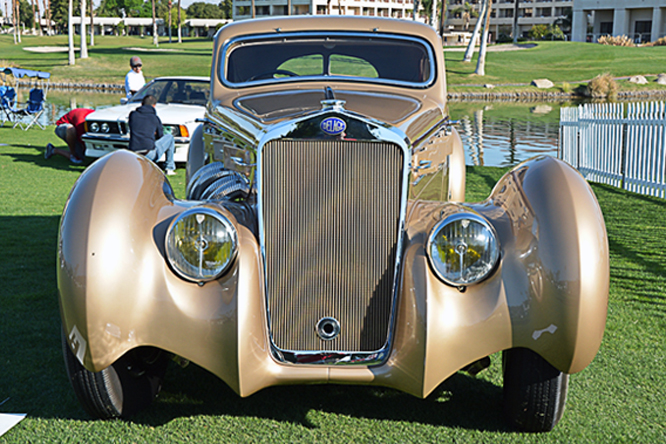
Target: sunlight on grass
[618,398]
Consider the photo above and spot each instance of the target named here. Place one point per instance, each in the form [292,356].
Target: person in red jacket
[70,128]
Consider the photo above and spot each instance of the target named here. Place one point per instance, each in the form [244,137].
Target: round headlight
[94,127]
[463,249]
[201,244]
[105,127]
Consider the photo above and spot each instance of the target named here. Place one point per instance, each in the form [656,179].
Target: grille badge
[328,328]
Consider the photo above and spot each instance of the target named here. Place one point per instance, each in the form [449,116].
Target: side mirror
[124,101]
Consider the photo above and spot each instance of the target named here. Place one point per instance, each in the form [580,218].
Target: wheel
[534,391]
[128,385]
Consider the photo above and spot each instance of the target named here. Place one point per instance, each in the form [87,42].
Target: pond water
[493,133]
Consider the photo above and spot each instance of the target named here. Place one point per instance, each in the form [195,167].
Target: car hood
[274,106]
[168,114]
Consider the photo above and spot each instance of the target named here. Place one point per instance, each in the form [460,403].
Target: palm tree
[433,14]
[92,24]
[442,17]
[34,17]
[155,42]
[475,34]
[84,44]
[481,63]
[70,31]
[515,21]
[180,35]
[253,8]
[169,5]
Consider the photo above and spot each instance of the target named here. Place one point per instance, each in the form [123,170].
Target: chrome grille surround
[351,347]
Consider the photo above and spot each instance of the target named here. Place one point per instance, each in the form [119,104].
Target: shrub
[566,87]
[504,38]
[620,40]
[546,32]
[660,42]
[537,32]
[602,86]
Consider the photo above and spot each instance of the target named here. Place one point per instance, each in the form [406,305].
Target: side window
[310,65]
[351,66]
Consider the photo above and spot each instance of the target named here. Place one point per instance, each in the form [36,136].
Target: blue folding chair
[7,103]
[33,110]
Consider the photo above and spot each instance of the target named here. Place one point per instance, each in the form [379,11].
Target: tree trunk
[155,42]
[180,35]
[34,18]
[47,16]
[475,34]
[18,20]
[252,13]
[70,32]
[433,14]
[481,63]
[515,21]
[84,39]
[92,24]
[169,21]
[442,17]
[288,7]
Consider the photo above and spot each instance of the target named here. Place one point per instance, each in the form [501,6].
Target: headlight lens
[201,244]
[463,249]
[94,127]
[105,127]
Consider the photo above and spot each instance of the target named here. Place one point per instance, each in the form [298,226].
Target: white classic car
[180,101]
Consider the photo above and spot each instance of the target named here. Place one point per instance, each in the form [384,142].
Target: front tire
[534,391]
[128,385]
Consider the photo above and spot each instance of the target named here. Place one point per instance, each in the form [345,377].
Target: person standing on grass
[134,80]
[70,128]
[147,135]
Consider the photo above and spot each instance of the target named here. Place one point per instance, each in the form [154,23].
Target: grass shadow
[461,402]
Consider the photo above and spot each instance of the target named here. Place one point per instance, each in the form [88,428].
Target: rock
[542,83]
[639,80]
[541,109]
[489,86]
[661,79]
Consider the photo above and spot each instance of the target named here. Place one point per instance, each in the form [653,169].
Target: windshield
[189,92]
[386,59]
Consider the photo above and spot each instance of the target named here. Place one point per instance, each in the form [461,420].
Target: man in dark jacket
[147,135]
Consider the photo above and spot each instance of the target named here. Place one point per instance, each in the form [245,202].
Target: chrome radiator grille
[331,213]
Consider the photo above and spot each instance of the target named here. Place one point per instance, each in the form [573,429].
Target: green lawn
[571,62]
[557,61]
[619,398]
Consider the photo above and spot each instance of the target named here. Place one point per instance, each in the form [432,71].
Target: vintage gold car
[325,237]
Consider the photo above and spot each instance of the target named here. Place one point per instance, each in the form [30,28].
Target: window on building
[606,28]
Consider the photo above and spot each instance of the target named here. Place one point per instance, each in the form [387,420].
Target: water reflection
[493,134]
[505,134]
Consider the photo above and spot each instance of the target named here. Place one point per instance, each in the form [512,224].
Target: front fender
[117,291]
[549,292]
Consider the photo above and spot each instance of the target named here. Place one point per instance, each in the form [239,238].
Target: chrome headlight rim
[231,229]
[94,127]
[477,218]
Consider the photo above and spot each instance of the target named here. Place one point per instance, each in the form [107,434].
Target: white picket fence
[607,145]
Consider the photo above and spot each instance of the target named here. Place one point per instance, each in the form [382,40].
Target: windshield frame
[237,42]
[140,94]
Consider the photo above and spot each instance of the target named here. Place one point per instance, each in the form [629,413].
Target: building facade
[530,13]
[642,20]
[242,9]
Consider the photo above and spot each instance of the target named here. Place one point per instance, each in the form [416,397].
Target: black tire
[534,391]
[128,385]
